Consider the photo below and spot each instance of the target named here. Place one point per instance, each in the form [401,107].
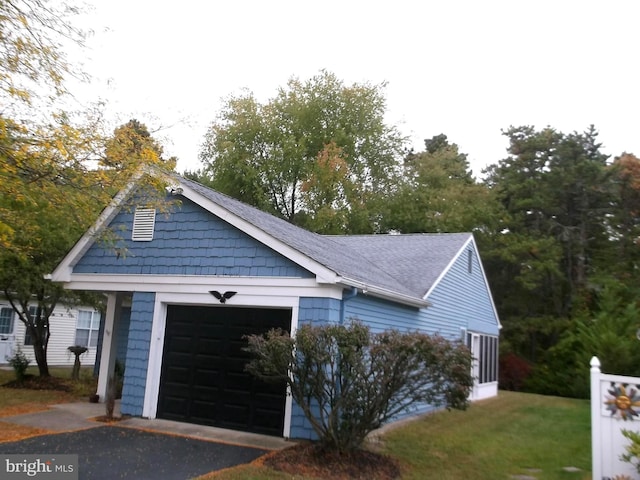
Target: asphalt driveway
[110,452]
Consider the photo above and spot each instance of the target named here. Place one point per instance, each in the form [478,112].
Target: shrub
[633,449]
[514,371]
[20,363]
[348,381]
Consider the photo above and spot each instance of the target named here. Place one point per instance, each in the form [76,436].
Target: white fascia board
[192,284]
[385,294]
[63,271]
[322,273]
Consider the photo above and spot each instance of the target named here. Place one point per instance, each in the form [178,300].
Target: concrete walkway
[69,417]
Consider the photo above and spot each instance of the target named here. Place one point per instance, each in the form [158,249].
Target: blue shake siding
[135,375]
[188,241]
[315,311]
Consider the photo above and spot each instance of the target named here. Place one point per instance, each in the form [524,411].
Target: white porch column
[109,345]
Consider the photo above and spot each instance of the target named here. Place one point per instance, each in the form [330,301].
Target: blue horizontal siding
[473,312]
[188,241]
[448,312]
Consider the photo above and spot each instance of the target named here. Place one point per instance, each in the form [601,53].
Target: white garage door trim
[152,390]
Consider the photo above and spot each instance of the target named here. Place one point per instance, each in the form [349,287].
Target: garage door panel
[235,365]
[208,345]
[236,348]
[203,378]
[206,378]
[207,360]
[180,358]
[235,416]
[175,405]
[180,344]
[238,381]
[204,412]
[177,374]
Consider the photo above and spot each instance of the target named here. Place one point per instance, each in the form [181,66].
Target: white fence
[615,406]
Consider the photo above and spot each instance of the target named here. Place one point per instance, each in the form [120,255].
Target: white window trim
[12,323]
[94,327]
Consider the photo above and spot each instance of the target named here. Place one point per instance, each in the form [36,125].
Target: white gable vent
[144,219]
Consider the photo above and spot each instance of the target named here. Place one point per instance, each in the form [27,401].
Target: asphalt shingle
[405,264]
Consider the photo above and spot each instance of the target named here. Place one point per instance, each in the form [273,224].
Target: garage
[203,380]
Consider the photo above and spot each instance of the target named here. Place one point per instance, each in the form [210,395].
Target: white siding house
[68,326]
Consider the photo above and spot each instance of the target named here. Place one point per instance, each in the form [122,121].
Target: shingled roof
[405,264]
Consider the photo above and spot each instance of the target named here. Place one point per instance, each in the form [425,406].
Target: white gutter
[384,293]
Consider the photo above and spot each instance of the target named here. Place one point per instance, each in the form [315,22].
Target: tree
[327,191]
[50,193]
[132,144]
[607,328]
[624,222]
[42,217]
[439,194]
[47,190]
[555,189]
[33,63]
[349,381]
[312,138]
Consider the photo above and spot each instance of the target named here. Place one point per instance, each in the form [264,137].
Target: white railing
[615,406]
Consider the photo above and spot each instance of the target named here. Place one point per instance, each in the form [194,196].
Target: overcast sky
[468,69]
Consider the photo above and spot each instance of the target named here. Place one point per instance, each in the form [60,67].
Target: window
[144,220]
[484,349]
[27,336]
[6,320]
[87,328]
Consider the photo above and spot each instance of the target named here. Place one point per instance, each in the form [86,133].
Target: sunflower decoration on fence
[624,401]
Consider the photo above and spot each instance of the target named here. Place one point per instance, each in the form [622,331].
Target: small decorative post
[77,350]
[596,434]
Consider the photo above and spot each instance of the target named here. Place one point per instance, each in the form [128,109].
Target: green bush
[607,330]
[19,362]
[348,381]
[633,450]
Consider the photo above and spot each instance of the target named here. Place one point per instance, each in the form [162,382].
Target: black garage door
[203,379]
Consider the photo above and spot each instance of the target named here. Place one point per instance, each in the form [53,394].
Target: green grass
[16,400]
[513,434]
[509,435]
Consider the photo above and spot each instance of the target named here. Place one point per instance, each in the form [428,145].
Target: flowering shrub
[349,381]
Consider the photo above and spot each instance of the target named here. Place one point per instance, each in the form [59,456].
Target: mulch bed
[309,460]
[110,420]
[33,382]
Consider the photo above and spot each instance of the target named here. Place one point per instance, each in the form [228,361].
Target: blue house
[197,278]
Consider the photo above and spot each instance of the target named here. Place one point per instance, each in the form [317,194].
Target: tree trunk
[41,359]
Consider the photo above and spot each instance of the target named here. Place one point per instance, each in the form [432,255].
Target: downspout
[347,296]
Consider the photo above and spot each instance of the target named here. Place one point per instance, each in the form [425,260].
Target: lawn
[511,435]
[14,401]
[514,434]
